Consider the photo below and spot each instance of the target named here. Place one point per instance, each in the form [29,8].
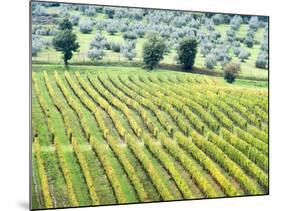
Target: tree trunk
[65,61]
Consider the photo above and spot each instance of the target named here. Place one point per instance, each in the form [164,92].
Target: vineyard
[110,138]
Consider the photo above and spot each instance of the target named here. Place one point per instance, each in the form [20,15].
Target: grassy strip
[85,168]
[43,175]
[66,172]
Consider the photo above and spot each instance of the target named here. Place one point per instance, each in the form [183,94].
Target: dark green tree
[153,50]
[65,24]
[65,41]
[187,52]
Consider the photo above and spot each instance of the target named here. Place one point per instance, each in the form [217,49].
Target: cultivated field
[108,136]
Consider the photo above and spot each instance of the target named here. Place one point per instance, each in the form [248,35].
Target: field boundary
[172,67]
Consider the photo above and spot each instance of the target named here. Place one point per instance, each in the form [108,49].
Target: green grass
[133,70]
[251,83]
[37,195]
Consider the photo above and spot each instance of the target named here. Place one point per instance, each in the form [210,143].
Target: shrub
[226,18]
[254,23]
[86,26]
[210,61]
[262,60]
[218,19]
[40,11]
[221,51]
[65,24]
[231,35]
[195,24]
[187,51]
[214,36]
[249,41]
[53,31]
[264,45]
[210,26]
[231,70]
[140,30]
[115,46]
[96,54]
[225,61]
[179,22]
[124,27]
[75,19]
[131,35]
[37,45]
[109,11]
[100,25]
[90,11]
[99,41]
[112,28]
[128,50]
[236,44]
[235,22]
[236,51]
[43,31]
[205,47]
[153,50]
[165,32]
[119,13]
[63,11]
[243,55]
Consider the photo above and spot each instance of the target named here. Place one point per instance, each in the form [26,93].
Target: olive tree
[130,35]
[235,22]
[39,10]
[254,23]
[90,11]
[210,61]
[115,46]
[262,60]
[243,55]
[75,19]
[205,47]
[112,28]
[95,54]
[218,19]
[109,11]
[231,35]
[128,50]
[37,45]
[86,26]
[99,42]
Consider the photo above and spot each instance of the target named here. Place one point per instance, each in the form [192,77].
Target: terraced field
[102,138]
